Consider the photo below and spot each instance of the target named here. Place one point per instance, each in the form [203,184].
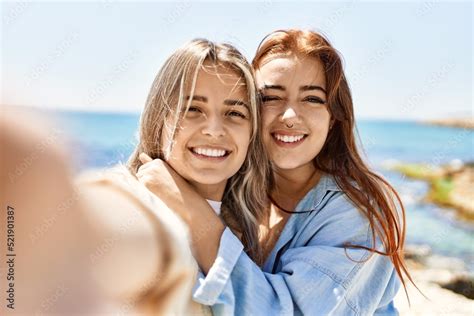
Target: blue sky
[404,60]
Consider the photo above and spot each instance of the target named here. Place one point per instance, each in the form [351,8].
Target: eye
[314,99]
[269,98]
[193,108]
[193,112]
[236,114]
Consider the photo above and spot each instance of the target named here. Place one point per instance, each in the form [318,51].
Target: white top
[216,206]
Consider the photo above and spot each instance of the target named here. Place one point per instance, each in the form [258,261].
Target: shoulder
[329,202]
[332,216]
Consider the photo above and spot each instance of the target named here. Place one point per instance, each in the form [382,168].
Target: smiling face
[212,140]
[295,112]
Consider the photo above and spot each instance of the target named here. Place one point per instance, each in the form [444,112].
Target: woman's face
[295,112]
[212,139]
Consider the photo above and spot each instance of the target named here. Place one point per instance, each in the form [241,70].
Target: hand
[205,226]
[166,184]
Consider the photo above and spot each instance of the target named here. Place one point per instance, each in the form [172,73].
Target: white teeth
[209,152]
[288,139]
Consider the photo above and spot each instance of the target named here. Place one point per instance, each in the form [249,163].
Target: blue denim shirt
[309,271]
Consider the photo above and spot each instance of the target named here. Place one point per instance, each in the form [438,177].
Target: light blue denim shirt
[309,271]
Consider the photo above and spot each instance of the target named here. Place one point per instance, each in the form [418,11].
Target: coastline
[451,185]
[446,288]
[445,281]
[467,123]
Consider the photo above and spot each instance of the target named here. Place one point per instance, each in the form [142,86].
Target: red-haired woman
[332,239]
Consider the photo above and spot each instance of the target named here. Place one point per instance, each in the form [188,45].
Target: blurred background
[88,66]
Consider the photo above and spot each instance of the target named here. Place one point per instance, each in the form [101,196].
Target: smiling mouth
[291,140]
[210,153]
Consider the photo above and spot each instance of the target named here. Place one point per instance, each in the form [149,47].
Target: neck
[213,192]
[291,185]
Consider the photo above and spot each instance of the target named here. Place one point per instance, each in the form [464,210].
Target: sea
[101,140]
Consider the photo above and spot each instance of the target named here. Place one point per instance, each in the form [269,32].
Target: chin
[209,179]
[286,165]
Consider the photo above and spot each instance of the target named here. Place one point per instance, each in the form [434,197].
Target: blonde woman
[201,117]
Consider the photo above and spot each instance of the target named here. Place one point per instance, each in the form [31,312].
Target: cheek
[268,116]
[242,139]
[320,124]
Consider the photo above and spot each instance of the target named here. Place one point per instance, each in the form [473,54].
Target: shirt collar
[310,202]
[314,197]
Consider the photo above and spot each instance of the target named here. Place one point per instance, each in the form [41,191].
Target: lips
[210,152]
[288,139]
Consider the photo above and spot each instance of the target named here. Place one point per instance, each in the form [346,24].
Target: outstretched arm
[87,248]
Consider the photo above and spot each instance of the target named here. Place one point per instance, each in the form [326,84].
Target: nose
[214,126]
[288,114]
[289,117]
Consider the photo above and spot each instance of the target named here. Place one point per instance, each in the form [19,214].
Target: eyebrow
[197,98]
[312,87]
[229,102]
[272,86]
[303,88]
[236,102]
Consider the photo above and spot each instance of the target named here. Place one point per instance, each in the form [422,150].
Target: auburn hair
[339,157]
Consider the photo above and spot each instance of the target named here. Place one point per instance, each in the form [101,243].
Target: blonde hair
[245,195]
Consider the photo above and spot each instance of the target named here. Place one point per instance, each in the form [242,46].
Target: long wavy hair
[244,200]
[340,157]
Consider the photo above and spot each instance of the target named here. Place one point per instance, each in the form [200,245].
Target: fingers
[144,158]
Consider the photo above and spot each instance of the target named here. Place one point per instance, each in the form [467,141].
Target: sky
[403,60]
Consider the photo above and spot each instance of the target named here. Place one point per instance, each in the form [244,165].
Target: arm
[84,248]
[141,253]
[205,226]
[316,277]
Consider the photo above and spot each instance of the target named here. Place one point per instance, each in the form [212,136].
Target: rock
[433,299]
[451,185]
[462,284]
[466,123]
